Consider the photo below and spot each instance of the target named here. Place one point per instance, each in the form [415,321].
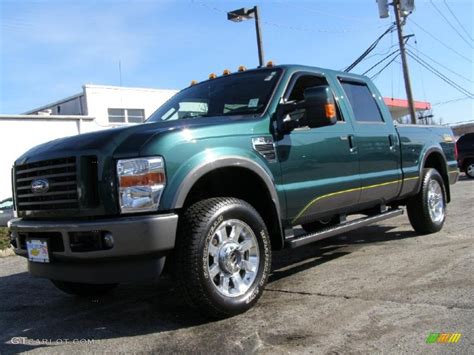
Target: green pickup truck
[223,173]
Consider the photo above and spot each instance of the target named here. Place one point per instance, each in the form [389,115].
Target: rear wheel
[427,210]
[83,290]
[469,169]
[223,256]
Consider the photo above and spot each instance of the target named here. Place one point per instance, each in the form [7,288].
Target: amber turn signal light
[149,179]
[330,110]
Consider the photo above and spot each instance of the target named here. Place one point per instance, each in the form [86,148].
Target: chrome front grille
[46,185]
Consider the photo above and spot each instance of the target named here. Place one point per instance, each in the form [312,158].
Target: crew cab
[218,177]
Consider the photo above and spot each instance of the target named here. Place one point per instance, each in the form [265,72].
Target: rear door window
[362,102]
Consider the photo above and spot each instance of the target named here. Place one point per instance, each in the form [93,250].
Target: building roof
[55,103]
[399,107]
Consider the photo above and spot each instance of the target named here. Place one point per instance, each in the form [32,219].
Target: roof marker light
[242,68]
[193,82]
[270,64]
[212,76]
[226,72]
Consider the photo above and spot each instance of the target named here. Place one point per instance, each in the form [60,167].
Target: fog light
[108,240]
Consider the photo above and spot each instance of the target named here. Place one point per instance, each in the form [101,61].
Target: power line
[380,61]
[373,77]
[290,5]
[443,66]
[286,27]
[370,49]
[450,24]
[438,40]
[464,98]
[382,53]
[457,20]
[440,75]
[419,69]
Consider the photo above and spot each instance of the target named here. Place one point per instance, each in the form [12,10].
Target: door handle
[391,141]
[352,144]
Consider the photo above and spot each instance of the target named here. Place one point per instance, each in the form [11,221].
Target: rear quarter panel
[416,144]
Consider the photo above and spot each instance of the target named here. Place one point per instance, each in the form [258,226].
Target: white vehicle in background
[6,211]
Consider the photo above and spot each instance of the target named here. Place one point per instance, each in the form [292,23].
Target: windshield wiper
[193,116]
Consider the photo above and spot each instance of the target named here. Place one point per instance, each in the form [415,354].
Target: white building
[110,105]
[97,107]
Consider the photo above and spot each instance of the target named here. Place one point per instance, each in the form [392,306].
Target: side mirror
[319,106]
[318,109]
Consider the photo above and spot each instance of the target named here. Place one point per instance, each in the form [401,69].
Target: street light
[246,14]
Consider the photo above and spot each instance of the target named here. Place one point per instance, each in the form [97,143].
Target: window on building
[362,101]
[126,115]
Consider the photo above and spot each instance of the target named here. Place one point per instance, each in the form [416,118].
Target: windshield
[244,93]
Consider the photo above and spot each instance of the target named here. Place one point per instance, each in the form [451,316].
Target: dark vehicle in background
[465,146]
[6,211]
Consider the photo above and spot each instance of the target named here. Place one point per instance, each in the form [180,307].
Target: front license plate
[37,251]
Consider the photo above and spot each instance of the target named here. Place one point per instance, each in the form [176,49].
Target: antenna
[120,71]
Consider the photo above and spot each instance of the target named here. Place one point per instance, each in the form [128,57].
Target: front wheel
[427,209]
[83,290]
[223,256]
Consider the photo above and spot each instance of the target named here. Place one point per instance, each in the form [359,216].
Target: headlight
[141,182]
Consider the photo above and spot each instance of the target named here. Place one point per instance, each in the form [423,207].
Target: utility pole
[259,37]
[406,75]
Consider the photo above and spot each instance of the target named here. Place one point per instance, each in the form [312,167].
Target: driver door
[319,166]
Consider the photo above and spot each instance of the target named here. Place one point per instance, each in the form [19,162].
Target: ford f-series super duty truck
[222,174]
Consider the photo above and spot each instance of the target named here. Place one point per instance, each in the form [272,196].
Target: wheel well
[243,184]
[436,161]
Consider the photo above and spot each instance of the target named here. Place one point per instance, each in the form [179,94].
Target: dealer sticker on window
[253,103]
[37,251]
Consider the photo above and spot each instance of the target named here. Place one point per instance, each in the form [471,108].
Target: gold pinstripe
[349,190]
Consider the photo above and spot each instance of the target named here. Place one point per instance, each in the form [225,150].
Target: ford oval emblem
[39,186]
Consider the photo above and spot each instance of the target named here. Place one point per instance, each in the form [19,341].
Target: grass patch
[4,238]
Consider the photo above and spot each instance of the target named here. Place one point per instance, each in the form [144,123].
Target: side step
[341,228]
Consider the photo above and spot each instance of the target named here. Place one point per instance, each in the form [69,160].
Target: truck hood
[123,141]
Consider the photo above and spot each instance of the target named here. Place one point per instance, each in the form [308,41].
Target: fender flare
[223,162]
[444,173]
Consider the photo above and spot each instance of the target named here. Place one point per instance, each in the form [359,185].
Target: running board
[341,228]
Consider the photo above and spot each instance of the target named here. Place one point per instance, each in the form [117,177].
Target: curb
[7,252]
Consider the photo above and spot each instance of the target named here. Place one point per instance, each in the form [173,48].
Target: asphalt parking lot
[381,289]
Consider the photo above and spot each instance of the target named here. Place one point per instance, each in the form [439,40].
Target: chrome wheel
[436,204]
[470,170]
[233,258]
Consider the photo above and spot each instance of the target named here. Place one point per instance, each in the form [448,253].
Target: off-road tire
[196,230]
[83,290]
[418,206]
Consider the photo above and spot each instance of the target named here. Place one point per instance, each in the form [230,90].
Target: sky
[50,48]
